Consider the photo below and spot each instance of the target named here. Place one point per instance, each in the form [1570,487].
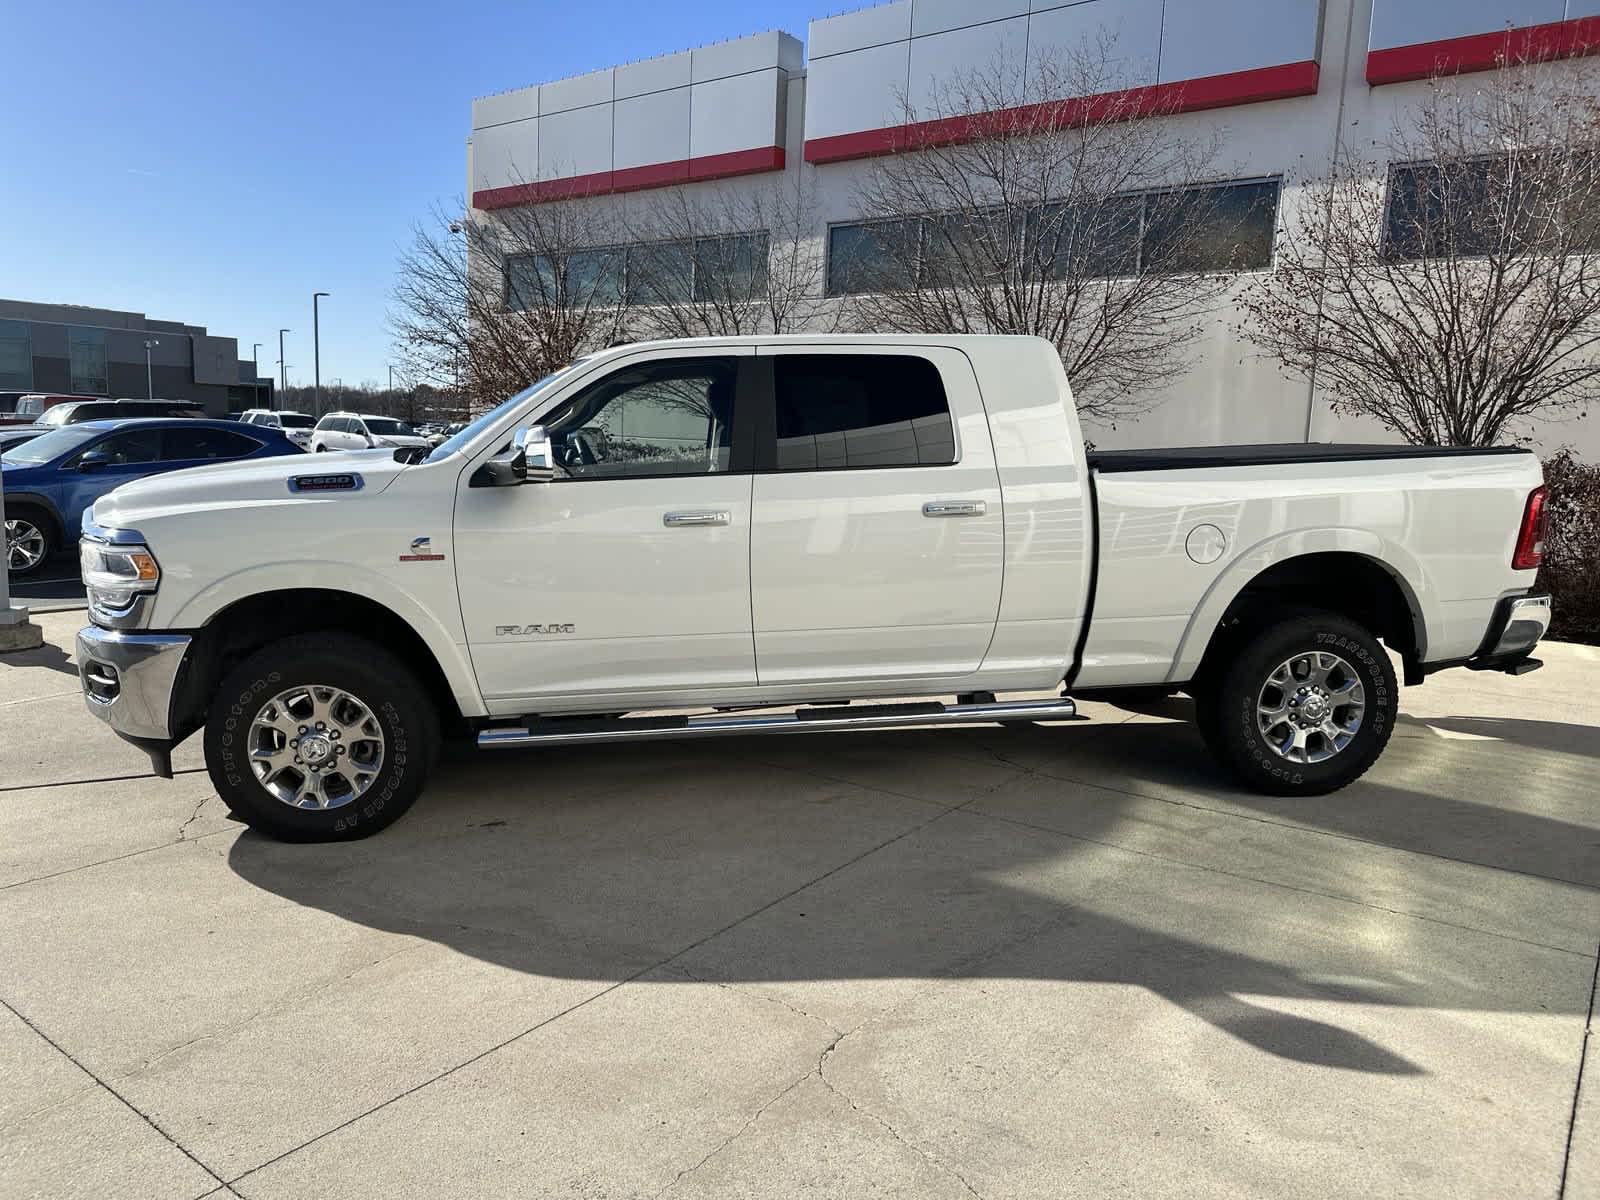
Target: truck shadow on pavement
[964,855]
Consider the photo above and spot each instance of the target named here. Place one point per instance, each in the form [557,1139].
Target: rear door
[877,537]
[202,445]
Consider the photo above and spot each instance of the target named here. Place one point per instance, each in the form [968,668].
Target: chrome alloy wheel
[24,544]
[316,747]
[1311,707]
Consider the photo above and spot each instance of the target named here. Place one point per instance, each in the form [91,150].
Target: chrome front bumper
[128,679]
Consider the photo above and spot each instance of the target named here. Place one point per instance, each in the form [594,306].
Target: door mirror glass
[538,460]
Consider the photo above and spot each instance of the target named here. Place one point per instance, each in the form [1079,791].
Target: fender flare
[1399,563]
[203,607]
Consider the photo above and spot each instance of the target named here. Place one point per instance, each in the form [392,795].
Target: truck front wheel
[1305,706]
[320,737]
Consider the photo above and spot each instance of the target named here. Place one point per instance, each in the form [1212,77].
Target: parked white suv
[296,426]
[363,431]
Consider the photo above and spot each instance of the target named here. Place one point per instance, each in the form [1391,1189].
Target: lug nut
[303,730]
[320,726]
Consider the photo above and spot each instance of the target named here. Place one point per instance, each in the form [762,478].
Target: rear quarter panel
[1445,529]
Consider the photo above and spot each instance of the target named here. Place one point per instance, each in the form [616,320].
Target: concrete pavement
[1031,962]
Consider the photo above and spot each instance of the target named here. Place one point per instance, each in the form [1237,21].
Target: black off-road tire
[1226,708]
[386,686]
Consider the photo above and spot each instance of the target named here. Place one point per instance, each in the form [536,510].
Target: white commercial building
[1278,80]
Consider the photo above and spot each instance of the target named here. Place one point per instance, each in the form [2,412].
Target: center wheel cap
[315,749]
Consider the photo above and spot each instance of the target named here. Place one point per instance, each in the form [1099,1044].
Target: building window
[1222,227]
[86,350]
[706,270]
[16,355]
[1498,204]
[1228,228]
[838,411]
[581,279]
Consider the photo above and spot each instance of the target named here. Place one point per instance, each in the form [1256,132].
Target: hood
[262,481]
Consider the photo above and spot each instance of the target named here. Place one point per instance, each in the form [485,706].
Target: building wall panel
[575,143]
[940,60]
[580,91]
[652,75]
[858,30]
[855,91]
[938,16]
[651,129]
[505,154]
[507,106]
[1410,22]
[1134,27]
[1202,37]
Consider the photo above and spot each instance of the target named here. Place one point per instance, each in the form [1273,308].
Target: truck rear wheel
[1304,707]
[320,737]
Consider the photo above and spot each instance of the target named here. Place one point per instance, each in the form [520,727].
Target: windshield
[384,426]
[478,424]
[51,445]
[295,421]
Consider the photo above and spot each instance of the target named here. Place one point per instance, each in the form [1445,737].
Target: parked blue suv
[50,480]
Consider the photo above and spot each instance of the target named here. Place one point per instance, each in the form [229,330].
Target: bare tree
[1444,280]
[726,260]
[487,303]
[1010,210]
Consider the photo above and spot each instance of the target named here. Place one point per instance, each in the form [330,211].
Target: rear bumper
[128,679]
[1519,622]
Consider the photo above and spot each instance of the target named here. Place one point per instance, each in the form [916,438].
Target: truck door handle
[954,508]
[674,520]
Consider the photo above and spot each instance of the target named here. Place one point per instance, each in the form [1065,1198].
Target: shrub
[1572,547]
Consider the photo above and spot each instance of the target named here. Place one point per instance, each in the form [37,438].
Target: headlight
[115,576]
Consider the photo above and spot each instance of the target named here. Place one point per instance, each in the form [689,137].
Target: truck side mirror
[504,470]
[538,456]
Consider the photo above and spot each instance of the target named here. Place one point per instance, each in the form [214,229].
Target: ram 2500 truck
[786,535]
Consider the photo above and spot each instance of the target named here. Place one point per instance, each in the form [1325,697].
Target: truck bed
[1179,458]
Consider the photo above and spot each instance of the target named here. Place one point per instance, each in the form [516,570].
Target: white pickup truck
[786,535]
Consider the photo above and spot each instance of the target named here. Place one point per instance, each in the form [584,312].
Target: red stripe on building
[633,179]
[1485,51]
[1189,95]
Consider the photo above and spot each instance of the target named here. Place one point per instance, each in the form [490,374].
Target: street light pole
[149,387]
[255,365]
[316,353]
[283,371]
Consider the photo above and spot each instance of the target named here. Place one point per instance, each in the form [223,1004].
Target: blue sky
[217,162]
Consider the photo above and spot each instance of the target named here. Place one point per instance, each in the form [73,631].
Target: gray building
[101,352]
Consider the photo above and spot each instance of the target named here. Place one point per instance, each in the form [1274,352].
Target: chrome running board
[577,731]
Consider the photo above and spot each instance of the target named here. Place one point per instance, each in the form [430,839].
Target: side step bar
[806,720]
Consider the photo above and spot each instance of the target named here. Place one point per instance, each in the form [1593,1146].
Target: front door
[878,538]
[629,574]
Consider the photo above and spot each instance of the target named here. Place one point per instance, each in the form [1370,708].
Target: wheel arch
[250,622]
[1354,573]
[40,503]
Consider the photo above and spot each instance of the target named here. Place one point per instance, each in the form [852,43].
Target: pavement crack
[1577,1087]
[730,1139]
[126,1103]
[183,830]
[856,1106]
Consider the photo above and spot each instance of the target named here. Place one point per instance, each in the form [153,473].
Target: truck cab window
[837,411]
[670,417]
